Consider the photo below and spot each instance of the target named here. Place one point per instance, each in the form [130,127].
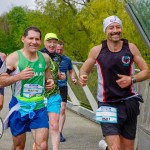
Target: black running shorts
[64,93]
[127,119]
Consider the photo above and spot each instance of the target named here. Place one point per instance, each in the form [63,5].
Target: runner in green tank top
[27,70]
[32,89]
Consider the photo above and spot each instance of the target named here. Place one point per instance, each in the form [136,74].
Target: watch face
[133,80]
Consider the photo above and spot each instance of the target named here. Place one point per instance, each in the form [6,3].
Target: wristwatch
[133,79]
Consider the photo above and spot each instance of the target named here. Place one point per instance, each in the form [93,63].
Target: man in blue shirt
[65,66]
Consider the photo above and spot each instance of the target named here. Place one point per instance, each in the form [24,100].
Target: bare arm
[48,75]
[72,73]
[88,65]
[11,64]
[47,71]
[144,73]
[141,63]
[73,76]
[61,75]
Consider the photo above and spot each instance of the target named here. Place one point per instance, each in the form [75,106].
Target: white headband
[109,20]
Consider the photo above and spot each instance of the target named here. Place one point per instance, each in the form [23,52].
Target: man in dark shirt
[118,102]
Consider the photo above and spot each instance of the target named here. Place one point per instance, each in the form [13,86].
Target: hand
[62,76]
[74,80]
[124,81]
[26,73]
[83,80]
[49,84]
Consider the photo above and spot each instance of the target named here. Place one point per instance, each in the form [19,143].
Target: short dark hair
[60,42]
[32,28]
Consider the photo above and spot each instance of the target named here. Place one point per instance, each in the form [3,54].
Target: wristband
[9,71]
[133,80]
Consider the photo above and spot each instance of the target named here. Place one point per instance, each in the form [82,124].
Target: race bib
[31,90]
[106,114]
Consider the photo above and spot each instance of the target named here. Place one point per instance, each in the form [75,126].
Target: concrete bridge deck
[80,133]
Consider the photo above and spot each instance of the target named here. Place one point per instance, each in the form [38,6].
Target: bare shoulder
[137,57]
[134,49]
[12,60]
[13,56]
[94,52]
[96,49]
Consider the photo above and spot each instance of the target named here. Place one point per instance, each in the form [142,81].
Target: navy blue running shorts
[20,125]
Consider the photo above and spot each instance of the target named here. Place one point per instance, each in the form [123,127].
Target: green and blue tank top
[30,90]
[55,60]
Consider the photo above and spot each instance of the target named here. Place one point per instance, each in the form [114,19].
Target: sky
[6,5]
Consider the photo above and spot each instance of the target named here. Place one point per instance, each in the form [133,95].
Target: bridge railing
[83,98]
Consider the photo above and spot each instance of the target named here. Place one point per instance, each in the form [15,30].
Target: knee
[43,145]
[19,142]
[114,147]
[54,127]
[18,146]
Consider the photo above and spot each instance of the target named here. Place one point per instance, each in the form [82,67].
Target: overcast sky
[6,5]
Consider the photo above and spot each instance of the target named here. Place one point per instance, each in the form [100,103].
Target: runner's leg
[40,138]
[62,116]
[54,128]
[19,142]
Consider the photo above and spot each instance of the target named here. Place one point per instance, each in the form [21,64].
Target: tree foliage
[77,22]
[17,22]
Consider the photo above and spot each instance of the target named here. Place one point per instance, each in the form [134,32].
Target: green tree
[77,22]
[60,18]
[4,31]
[17,20]
[96,11]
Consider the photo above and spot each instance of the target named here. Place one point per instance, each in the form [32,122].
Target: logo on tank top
[56,59]
[126,60]
[40,66]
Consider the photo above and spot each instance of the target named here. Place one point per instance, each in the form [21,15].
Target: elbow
[147,74]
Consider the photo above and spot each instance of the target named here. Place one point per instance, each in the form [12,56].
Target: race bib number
[31,90]
[106,114]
